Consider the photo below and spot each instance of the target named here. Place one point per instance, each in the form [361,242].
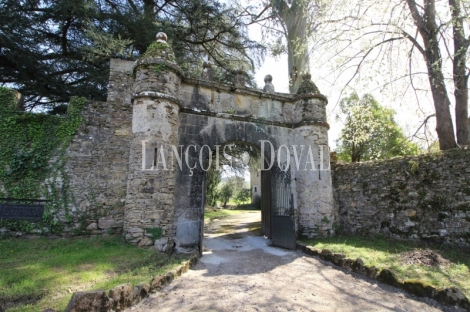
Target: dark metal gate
[266,213]
[282,205]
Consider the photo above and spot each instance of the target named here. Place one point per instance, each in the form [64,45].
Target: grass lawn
[215,213]
[43,273]
[440,266]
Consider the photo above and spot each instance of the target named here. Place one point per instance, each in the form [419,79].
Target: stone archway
[212,133]
[175,117]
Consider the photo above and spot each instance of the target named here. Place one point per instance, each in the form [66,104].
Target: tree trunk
[460,78]
[295,22]
[444,126]
[426,25]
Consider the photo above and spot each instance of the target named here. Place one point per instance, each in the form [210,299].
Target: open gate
[282,209]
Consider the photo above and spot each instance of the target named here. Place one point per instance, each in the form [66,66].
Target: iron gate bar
[283,224]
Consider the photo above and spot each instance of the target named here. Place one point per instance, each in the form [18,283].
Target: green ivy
[161,50]
[32,159]
[159,68]
[155,233]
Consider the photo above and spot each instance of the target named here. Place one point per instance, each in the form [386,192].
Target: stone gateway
[141,155]
[137,165]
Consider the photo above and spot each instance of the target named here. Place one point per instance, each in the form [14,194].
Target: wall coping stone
[156,95]
[282,97]
[423,157]
[196,111]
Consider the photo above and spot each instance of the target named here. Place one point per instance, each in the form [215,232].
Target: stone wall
[423,197]
[114,162]
[98,157]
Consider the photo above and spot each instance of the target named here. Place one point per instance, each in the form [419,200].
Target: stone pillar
[239,80]
[149,210]
[317,215]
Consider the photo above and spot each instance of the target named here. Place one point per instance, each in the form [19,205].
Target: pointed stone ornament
[239,80]
[162,37]
[207,72]
[160,49]
[307,86]
[269,87]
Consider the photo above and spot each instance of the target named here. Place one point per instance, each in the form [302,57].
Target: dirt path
[239,272]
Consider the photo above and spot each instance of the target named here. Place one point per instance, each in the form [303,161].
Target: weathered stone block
[92,226]
[91,301]
[122,295]
[105,224]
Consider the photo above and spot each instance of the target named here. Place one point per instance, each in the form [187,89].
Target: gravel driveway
[240,272]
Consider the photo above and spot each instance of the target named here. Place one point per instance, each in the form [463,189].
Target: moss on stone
[160,50]
[418,287]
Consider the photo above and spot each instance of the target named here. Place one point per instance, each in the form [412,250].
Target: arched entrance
[171,112]
[277,199]
[277,189]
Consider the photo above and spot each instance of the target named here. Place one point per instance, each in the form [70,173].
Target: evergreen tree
[52,50]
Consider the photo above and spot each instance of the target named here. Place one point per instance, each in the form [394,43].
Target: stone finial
[207,72]
[307,86]
[162,37]
[239,80]
[160,49]
[269,87]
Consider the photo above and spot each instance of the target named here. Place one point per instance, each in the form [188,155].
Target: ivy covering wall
[32,158]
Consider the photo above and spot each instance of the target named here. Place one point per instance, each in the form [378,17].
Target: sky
[409,115]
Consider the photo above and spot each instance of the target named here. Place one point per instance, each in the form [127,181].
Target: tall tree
[415,38]
[425,19]
[370,131]
[52,50]
[286,26]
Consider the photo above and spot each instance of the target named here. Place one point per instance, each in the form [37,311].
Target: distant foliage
[243,195]
[213,178]
[225,194]
[370,131]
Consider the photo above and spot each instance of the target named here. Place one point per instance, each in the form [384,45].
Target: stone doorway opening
[236,197]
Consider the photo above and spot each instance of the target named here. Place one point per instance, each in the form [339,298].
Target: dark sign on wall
[21,211]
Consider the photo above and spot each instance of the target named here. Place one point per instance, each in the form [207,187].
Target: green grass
[211,214]
[383,253]
[42,273]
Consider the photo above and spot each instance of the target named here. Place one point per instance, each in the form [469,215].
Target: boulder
[122,296]
[88,301]
[141,292]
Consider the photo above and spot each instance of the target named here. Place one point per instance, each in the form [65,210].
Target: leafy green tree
[231,189]
[52,50]
[225,194]
[213,178]
[243,195]
[370,131]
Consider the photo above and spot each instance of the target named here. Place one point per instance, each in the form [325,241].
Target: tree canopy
[370,131]
[418,46]
[52,50]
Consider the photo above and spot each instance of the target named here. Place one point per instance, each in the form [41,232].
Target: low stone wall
[425,197]
[123,296]
[449,295]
